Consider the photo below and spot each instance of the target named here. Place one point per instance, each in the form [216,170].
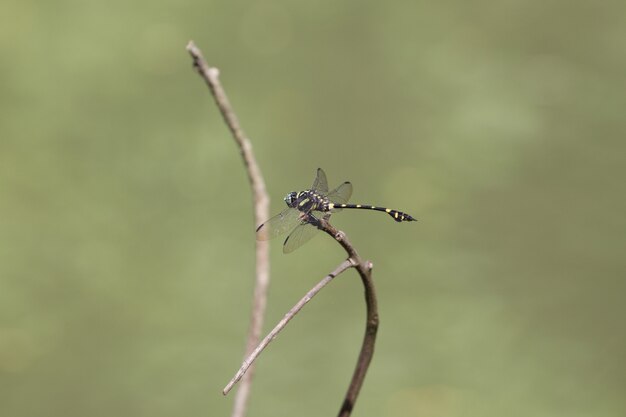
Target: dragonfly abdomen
[395,214]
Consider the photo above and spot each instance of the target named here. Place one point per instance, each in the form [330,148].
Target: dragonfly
[306,208]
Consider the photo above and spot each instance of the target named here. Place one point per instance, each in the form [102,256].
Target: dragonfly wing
[341,194]
[279,224]
[320,183]
[299,237]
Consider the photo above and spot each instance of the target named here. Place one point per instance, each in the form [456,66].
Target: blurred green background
[126,233]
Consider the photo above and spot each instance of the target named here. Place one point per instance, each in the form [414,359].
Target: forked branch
[364,268]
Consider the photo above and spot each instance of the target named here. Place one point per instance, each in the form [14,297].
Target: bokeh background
[126,231]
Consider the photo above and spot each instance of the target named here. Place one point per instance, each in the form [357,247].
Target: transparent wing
[341,194]
[299,237]
[320,183]
[280,224]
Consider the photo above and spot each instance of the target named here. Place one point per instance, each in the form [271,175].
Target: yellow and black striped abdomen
[395,214]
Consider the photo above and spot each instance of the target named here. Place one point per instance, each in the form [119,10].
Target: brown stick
[364,268]
[261,213]
[281,324]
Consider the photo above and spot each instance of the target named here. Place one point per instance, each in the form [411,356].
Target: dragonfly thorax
[307,201]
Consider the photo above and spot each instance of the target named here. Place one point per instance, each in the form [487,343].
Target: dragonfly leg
[309,218]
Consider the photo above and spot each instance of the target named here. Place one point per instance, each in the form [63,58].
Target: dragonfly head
[291,199]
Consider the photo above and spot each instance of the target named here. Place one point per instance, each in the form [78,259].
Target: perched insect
[305,208]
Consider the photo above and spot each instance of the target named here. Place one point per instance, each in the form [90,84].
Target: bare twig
[364,268]
[261,213]
[281,324]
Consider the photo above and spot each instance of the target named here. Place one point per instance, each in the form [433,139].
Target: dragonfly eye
[291,198]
